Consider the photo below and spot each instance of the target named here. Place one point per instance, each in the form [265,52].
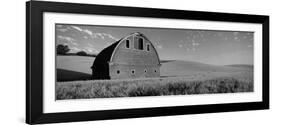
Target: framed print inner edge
[50,105]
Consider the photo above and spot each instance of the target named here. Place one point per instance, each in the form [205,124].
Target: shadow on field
[68,75]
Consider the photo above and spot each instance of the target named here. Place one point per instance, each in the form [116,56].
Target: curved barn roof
[106,54]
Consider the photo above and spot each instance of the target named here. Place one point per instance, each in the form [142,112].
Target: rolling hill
[78,68]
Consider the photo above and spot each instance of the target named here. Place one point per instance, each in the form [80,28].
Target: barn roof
[105,55]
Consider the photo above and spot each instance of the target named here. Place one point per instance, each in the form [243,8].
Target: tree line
[64,50]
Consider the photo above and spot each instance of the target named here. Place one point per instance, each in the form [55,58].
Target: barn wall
[126,71]
[127,59]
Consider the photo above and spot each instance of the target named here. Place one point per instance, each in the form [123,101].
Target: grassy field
[150,87]
[177,78]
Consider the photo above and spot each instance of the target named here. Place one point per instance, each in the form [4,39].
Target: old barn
[133,56]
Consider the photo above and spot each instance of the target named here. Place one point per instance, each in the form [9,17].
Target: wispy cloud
[109,36]
[88,32]
[99,35]
[85,37]
[190,45]
[91,50]
[94,35]
[77,28]
[195,44]
[104,36]
[181,44]
[157,43]
[159,46]
[68,39]
[74,49]
[62,28]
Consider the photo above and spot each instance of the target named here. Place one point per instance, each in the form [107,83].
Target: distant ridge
[241,65]
[179,68]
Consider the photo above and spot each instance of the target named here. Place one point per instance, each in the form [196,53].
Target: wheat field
[150,87]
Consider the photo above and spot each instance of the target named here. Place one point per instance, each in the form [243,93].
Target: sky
[205,46]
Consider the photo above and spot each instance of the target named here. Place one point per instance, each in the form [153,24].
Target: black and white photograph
[89,62]
[104,61]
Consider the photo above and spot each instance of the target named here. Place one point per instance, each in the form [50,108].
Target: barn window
[147,47]
[155,70]
[140,43]
[136,43]
[145,70]
[127,43]
[118,71]
[133,71]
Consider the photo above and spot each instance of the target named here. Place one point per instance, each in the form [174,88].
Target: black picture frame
[34,61]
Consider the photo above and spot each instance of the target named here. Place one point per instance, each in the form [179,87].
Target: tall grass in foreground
[149,87]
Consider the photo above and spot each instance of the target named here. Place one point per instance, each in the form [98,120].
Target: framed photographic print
[96,62]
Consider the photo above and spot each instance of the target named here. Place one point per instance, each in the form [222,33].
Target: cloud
[103,36]
[95,35]
[86,49]
[100,35]
[159,46]
[88,32]
[74,49]
[62,30]
[83,30]
[195,44]
[183,44]
[67,39]
[77,28]
[110,36]
[74,43]
[90,50]
[157,43]
[250,46]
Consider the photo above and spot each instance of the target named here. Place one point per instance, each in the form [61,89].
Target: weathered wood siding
[134,63]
